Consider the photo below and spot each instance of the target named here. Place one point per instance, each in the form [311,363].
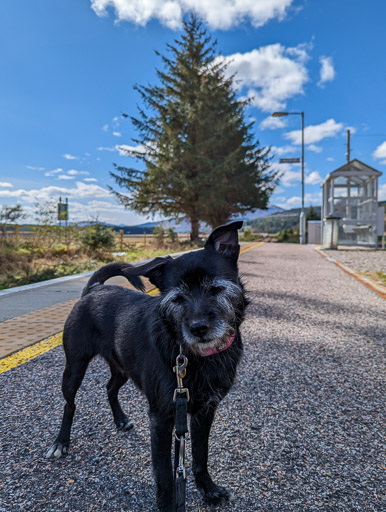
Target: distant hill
[184,226]
[285,219]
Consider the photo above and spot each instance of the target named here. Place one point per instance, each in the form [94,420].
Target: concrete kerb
[353,273]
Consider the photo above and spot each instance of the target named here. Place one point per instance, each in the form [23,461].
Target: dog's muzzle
[226,342]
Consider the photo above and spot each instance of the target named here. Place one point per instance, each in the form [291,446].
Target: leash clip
[180,371]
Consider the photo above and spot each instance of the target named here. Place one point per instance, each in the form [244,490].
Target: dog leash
[181,398]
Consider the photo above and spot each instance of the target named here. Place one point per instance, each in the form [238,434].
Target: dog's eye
[215,290]
[179,299]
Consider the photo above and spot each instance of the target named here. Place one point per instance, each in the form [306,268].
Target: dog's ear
[225,241]
[153,270]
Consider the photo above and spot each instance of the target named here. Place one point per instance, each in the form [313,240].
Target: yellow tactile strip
[22,356]
[25,330]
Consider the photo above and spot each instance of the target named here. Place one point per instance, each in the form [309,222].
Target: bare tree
[9,215]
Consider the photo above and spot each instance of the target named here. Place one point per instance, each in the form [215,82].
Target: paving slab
[21,331]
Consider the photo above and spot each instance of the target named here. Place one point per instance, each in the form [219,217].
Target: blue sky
[68,70]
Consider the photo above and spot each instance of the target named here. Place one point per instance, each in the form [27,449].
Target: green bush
[289,236]
[249,236]
[159,236]
[97,237]
[172,236]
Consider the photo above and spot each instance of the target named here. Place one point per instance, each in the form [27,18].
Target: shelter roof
[353,168]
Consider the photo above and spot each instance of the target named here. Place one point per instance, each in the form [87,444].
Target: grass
[378,277]
[381,276]
[21,265]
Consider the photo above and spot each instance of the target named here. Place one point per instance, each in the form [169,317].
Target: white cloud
[313,178]
[380,153]
[105,211]
[327,71]
[330,159]
[272,74]
[105,128]
[90,179]
[273,123]
[382,192]
[102,148]
[54,172]
[219,14]
[124,149]
[6,184]
[351,128]
[74,172]
[296,201]
[117,134]
[67,156]
[288,177]
[291,177]
[65,177]
[315,149]
[79,191]
[315,133]
[283,150]
[35,168]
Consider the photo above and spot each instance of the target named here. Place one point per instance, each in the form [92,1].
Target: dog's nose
[199,327]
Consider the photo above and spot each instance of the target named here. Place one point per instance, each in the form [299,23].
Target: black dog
[200,308]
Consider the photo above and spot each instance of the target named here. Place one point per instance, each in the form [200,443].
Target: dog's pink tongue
[212,350]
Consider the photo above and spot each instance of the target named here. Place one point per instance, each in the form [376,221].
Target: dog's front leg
[200,428]
[161,438]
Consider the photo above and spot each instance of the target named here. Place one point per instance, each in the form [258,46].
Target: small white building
[351,193]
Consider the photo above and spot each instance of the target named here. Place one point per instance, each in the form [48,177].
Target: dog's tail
[111,270]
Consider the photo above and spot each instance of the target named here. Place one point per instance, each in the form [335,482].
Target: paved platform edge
[29,353]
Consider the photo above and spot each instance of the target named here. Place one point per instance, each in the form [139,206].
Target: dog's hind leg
[115,383]
[72,379]
[161,428]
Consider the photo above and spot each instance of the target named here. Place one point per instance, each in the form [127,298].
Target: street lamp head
[279,114]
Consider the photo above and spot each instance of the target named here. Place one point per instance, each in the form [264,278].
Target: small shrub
[97,237]
[249,236]
[172,236]
[159,234]
[289,236]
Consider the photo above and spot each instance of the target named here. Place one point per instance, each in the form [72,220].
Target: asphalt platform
[302,429]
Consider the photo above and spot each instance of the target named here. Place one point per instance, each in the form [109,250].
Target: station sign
[289,161]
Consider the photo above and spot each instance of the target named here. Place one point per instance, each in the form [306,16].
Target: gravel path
[301,430]
[360,260]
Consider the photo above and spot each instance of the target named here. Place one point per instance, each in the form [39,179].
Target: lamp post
[302,220]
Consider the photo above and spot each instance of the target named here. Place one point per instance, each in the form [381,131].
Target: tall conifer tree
[201,162]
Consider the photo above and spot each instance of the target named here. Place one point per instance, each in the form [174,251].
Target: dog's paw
[125,425]
[217,497]
[57,450]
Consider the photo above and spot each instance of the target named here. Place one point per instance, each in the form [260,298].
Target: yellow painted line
[251,247]
[29,353]
[40,348]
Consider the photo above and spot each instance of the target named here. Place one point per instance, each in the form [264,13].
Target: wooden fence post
[121,240]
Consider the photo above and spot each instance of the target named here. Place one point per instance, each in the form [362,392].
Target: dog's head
[201,298]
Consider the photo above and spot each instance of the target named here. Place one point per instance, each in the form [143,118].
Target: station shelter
[350,201]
